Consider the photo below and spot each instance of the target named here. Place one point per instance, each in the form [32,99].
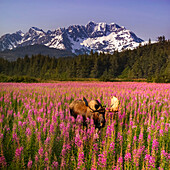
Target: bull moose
[92,109]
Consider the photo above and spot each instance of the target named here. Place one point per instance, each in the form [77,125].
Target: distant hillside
[30,50]
[150,62]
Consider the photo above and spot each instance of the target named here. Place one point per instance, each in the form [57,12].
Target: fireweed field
[37,131]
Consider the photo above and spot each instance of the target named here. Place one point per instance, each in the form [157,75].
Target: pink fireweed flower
[90,131]
[28,132]
[80,160]
[44,129]
[64,151]
[134,139]
[85,138]
[108,131]
[95,147]
[79,119]
[140,137]
[92,168]
[59,104]
[39,119]
[88,120]
[1,136]
[102,159]
[18,152]
[131,123]
[161,132]
[134,127]
[48,123]
[150,160]
[49,111]
[120,160]
[135,157]
[62,126]
[166,127]
[163,153]
[46,160]
[39,103]
[47,141]
[36,158]
[72,119]
[168,156]
[119,137]
[1,99]
[24,123]
[96,136]
[128,157]
[68,126]
[54,119]
[158,127]
[55,165]
[78,141]
[39,136]
[112,146]
[152,127]
[41,151]
[14,136]
[155,144]
[29,165]
[19,123]
[51,128]
[149,138]
[2,162]
[61,115]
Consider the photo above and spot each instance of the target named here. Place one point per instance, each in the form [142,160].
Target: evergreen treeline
[151,62]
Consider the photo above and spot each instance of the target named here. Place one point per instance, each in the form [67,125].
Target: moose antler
[114,104]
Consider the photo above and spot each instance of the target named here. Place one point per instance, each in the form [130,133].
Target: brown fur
[93,110]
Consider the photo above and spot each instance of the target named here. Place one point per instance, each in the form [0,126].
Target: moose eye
[96,106]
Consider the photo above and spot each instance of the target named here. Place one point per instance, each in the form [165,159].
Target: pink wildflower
[102,159]
[18,152]
[128,157]
[55,165]
[40,151]
[29,165]
[155,144]
[2,161]
[80,159]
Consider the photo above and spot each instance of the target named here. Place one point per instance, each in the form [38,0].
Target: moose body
[93,110]
[79,107]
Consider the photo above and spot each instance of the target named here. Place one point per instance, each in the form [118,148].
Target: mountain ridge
[101,37]
[21,52]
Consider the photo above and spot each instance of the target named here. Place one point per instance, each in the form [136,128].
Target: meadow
[37,131]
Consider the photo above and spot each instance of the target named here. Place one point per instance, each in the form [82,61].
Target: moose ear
[85,101]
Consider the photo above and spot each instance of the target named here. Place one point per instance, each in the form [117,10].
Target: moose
[92,109]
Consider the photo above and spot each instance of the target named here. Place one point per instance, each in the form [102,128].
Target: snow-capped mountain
[100,37]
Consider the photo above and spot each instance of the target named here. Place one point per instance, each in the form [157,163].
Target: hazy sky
[146,18]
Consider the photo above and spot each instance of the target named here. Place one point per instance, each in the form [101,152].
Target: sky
[146,18]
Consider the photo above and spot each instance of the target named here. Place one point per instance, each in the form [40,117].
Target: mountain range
[36,49]
[77,39]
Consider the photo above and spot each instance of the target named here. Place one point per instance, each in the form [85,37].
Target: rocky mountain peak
[76,38]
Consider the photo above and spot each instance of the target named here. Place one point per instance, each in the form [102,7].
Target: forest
[146,63]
